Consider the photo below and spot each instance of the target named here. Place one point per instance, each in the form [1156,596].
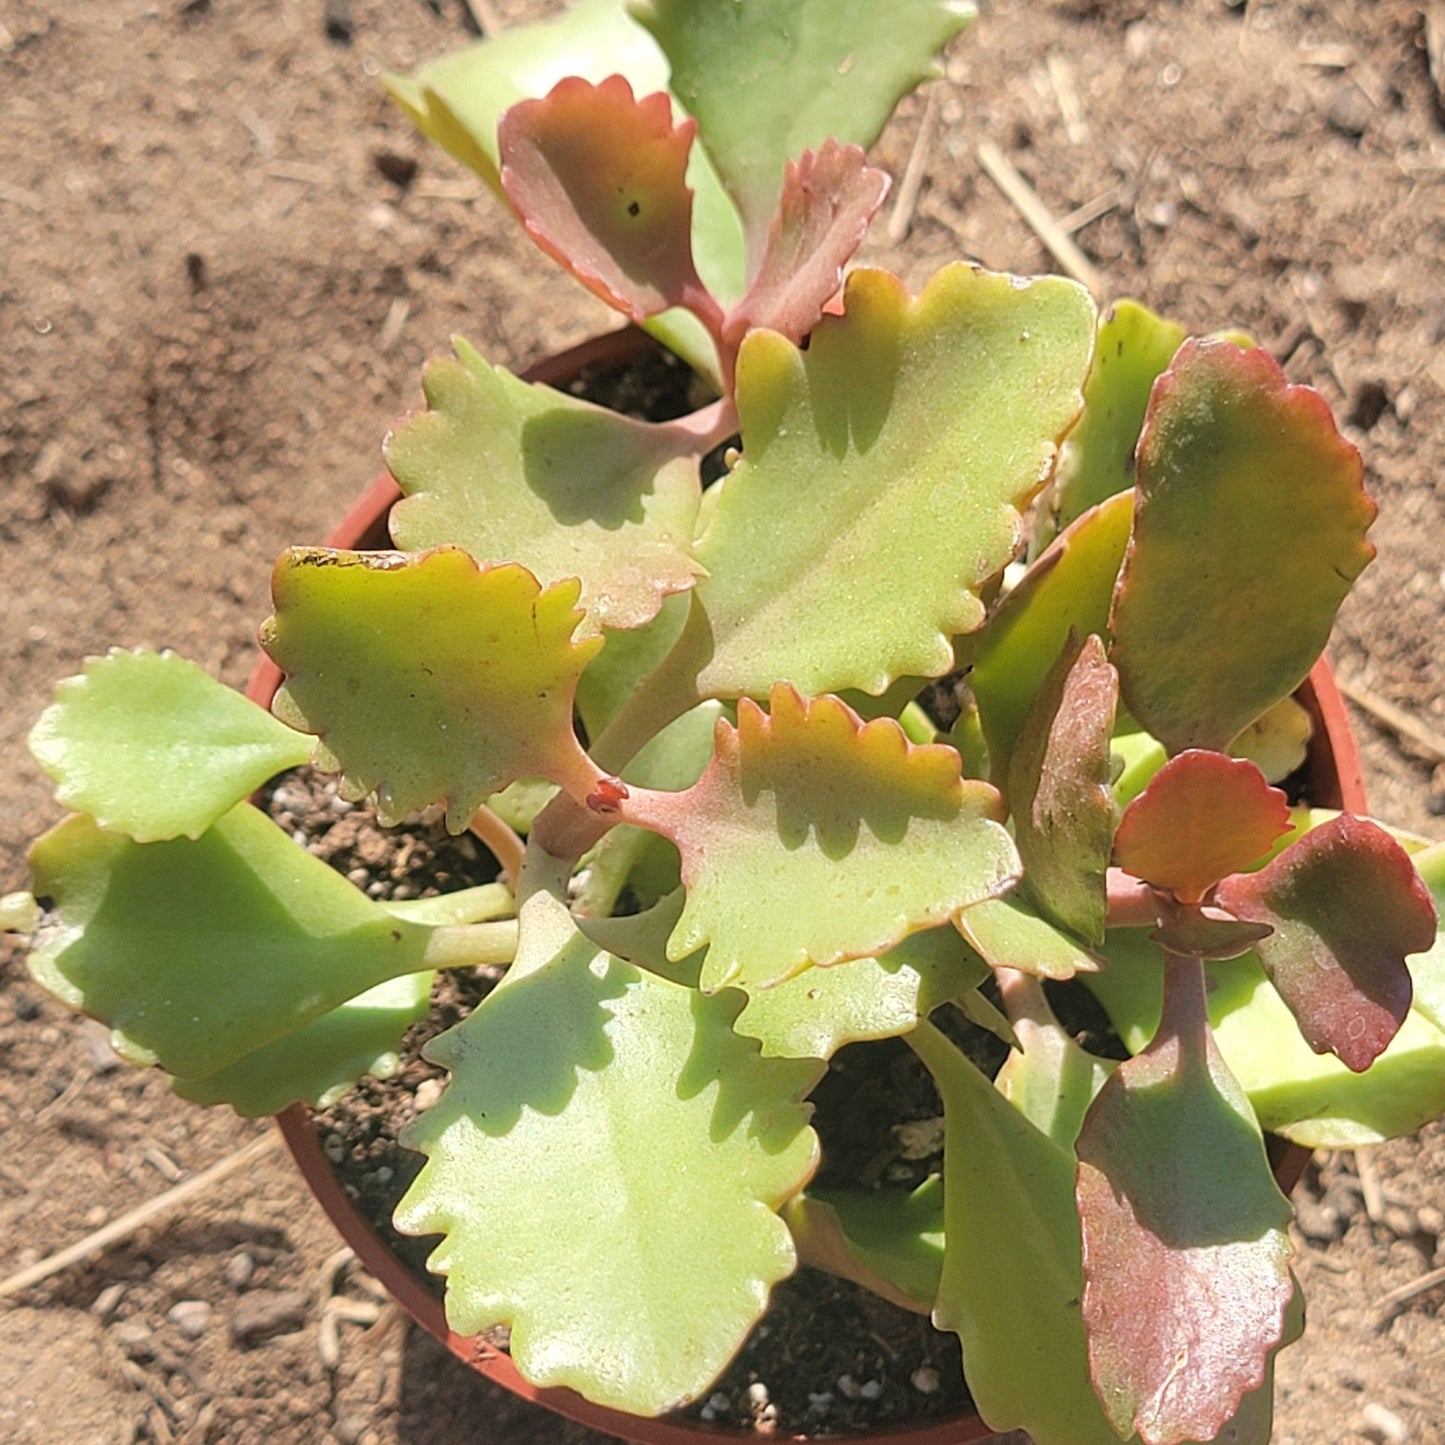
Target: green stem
[471,945]
[483,904]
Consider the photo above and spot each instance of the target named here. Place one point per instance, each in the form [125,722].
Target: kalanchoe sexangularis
[760,847]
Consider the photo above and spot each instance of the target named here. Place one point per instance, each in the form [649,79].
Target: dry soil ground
[223,258]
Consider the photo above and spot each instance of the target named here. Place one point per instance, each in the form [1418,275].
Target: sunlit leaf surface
[426,678]
[1185,1243]
[148,744]
[882,473]
[813,838]
[597,176]
[198,952]
[1347,907]
[1249,530]
[513,472]
[552,1170]
[1203,815]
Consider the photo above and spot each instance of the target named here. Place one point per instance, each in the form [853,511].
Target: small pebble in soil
[869,1390]
[848,1387]
[717,1404]
[427,1093]
[190,1316]
[107,1300]
[239,1270]
[133,1336]
[1383,1425]
[925,1380]
[266,1312]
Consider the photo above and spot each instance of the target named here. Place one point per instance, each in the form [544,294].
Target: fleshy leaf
[1009,933]
[880,837]
[1048,1078]
[1185,1233]
[198,952]
[1199,931]
[1059,793]
[1203,815]
[513,472]
[426,678]
[1277,741]
[890,1243]
[596,175]
[1067,589]
[1428,972]
[322,1059]
[147,743]
[1249,529]
[1011,1269]
[767,82]
[1346,906]
[816,1013]
[901,444]
[637,1287]
[458,100]
[1310,1098]
[829,197]
[1097,458]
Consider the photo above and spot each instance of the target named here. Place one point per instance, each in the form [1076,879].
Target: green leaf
[616,673]
[459,99]
[1428,971]
[596,175]
[1059,791]
[814,1014]
[1310,1098]
[1249,530]
[321,1060]
[1097,458]
[900,444]
[813,838]
[1346,907]
[889,1242]
[198,952]
[1009,933]
[605,1165]
[427,678]
[1277,741]
[1012,1276]
[1067,589]
[1185,1233]
[1203,815]
[769,79]
[1048,1078]
[148,744]
[514,472]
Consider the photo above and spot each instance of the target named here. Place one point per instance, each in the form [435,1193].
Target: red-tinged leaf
[1201,932]
[1186,1254]
[597,177]
[1202,817]
[829,197]
[1249,530]
[1059,789]
[1346,907]
[814,837]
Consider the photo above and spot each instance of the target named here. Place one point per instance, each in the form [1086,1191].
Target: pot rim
[1335,780]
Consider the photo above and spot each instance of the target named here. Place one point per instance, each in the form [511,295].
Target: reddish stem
[1132,903]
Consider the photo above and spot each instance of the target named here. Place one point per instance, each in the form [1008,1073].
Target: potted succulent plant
[804,757]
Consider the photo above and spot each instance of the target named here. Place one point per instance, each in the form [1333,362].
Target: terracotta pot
[1334,780]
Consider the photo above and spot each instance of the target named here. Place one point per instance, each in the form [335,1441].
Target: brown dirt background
[217,288]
